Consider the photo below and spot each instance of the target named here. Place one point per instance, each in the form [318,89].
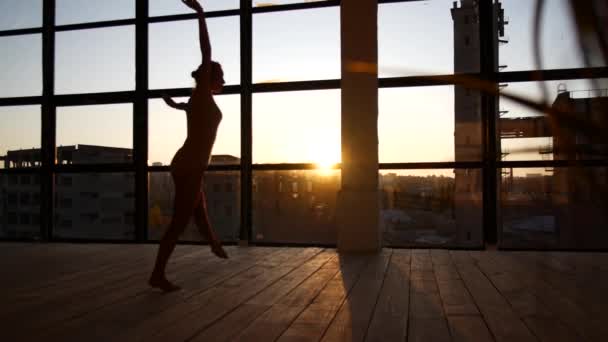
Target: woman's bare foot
[218,250]
[163,284]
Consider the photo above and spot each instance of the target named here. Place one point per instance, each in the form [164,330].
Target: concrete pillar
[358,208]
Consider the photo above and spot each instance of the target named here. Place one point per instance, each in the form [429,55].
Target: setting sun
[324,153]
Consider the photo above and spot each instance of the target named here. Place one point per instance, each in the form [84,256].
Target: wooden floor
[84,292]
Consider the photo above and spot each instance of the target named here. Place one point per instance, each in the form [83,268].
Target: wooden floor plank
[215,304]
[277,305]
[428,329]
[353,318]
[503,322]
[144,302]
[426,315]
[469,329]
[106,280]
[530,277]
[314,320]
[389,322]
[99,293]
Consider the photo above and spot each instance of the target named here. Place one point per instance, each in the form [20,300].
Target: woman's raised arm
[203,32]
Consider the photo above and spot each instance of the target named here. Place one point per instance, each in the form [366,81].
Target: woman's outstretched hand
[194,4]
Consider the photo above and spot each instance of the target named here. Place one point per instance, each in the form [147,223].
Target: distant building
[468,133]
[20,205]
[295,206]
[573,197]
[87,205]
[580,194]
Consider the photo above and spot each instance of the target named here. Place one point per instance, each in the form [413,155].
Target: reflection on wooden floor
[87,292]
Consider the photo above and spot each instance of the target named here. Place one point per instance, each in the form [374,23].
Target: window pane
[427,38]
[78,11]
[297,127]
[264,3]
[21,64]
[559,47]
[296,45]
[19,136]
[95,134]
[18,14]
[95,206]
[554,208]
[96,60]
[20,205]
[175,51]
[164,7]
[223,193]
[431,207]
[429,124]
[527,134]
[295,206]
[167,131]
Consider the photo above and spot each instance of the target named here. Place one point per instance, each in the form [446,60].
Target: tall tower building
[468,133]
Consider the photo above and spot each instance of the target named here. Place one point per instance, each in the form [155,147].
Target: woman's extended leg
[186,192]
[201,218]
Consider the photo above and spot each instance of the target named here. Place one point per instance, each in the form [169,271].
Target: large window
[95,60]
[555,207]
[175,51]
[20,136]
[429,124]
[95,134]
[20,205]
[558,46]
[21,68]
[167,131]
[296,46]
[417,38]
[76,11]
[297,127]
[86,141]
[296,206]
[20,14]
[164,7]
[441,207]
[94,206]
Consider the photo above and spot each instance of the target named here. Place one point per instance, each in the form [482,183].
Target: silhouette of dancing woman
[191,160]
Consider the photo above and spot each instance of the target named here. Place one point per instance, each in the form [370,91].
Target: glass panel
[19,137]
[223,193]
[431,207]
[296,45]
[95,206]
[554,208]
[95,134]
[297,127]
[559,44]
[295,206]
[175,51]
[427,38]
[20,205]
[527,134]
[19,14]
[264,3]
[429,124]
[78,11]
[97,60]
[167,131]
[21,64]
[164,7]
